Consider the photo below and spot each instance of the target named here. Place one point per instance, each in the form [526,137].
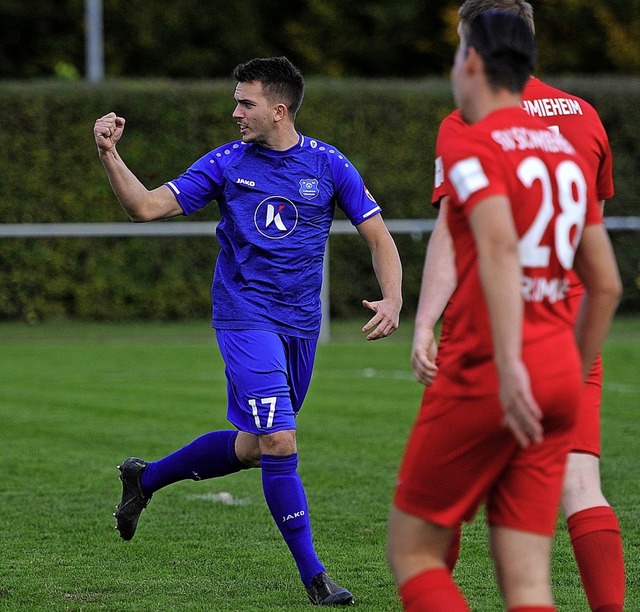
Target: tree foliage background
[195,39]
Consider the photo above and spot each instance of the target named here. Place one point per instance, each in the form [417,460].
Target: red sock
[432,591]
[597,546]
[454,549]
[533,609]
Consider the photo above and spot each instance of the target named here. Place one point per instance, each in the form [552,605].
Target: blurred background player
[496,425]
[592,523]
[277,191]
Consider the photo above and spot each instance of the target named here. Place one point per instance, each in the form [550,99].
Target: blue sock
[208,456]
[287,501]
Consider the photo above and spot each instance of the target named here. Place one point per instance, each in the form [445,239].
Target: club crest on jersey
[368,194]
[276,217]
[309,188]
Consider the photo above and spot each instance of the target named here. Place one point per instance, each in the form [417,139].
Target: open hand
[385,321]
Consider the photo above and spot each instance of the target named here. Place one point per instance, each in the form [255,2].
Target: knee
[522,566]
[400,558]
[572,486]
[581,486]
[414,545]
[252,461]
[582,472]
[247,450]
[281,443]
[395,554]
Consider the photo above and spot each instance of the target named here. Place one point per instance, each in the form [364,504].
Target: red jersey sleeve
[474,172]
[451,128]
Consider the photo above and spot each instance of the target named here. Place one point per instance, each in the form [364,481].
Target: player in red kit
[592,523]
[496,425]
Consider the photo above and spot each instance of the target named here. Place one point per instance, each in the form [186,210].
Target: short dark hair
[507,47]
[470,9]
[281,80]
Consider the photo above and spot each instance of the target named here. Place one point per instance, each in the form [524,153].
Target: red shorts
[459,456]
[586,435]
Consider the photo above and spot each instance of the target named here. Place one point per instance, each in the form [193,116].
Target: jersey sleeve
[201,182]
[593,215]
[352,195]
[604,177]
[473,172]
[451,127]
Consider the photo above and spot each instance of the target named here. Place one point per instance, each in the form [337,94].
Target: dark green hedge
[49,172]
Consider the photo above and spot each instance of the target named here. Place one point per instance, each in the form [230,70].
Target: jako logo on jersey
[293,516]
[309,188]
[242,181]
[276,217]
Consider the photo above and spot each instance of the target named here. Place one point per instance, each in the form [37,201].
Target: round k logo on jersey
[276,217]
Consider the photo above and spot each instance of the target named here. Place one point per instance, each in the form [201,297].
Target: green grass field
[76,399]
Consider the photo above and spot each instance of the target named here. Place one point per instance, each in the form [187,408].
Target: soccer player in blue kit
[277,191]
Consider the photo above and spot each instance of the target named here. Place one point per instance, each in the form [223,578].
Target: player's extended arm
[497,245]
[138,202]
[596,266]
[438,283]
[388,270]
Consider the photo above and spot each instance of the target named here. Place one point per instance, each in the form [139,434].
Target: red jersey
[550,188]
[576,119]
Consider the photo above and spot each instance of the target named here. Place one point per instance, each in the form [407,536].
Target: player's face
[254,114]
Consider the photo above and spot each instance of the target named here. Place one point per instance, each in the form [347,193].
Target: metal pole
[94,47]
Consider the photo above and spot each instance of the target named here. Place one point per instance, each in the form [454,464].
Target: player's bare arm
[497,244]
[437,285]
[596,266]
[140,203]
[388,271]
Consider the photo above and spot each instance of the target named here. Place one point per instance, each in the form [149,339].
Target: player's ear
[473,61]
[280,112]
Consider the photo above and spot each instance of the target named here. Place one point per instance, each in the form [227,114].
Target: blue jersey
[276,212]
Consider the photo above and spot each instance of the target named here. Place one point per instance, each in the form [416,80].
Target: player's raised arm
[388,270]
[140,203]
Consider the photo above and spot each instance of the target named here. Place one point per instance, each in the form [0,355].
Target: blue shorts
[268,376]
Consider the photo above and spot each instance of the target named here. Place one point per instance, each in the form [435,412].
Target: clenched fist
[107,131]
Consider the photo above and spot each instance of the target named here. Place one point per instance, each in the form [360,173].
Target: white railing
[208,228]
